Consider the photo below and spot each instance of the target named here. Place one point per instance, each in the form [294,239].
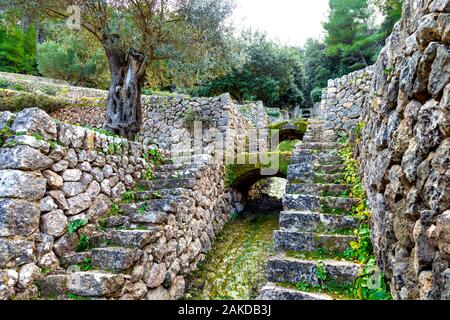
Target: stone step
[134,238]
[309,242]
[190,173]
[317,189]
[75,258]
[318,223]
[300,202]
[318,137]
[313,177]
[160,194]
[168,205]
[273,292]
[114,259]
[328,158]
[174,167]
[307,169]
[192,159]
[94,283]
[319,154]
[320,146]
[282,269]
[159,184]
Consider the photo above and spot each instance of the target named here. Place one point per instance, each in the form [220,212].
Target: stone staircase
[316,225]
[116,251]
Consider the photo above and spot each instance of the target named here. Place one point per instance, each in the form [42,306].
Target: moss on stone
[235,171]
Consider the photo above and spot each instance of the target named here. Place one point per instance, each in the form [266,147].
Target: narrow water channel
[235,268]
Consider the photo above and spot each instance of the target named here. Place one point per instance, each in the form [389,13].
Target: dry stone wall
[53,174]
[343,100]
[404,151]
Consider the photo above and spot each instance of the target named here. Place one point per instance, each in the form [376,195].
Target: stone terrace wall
[404,152]
[168,120]
[255,113]
[52,173]
[342,101]
[33,84]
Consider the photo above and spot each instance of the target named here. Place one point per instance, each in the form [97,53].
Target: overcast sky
[290,21]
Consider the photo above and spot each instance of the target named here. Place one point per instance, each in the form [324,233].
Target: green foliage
[288,145]
[17,45]
[16,103]
[371,283]
[156,195]
[50,90]
[72,296]
[154,156]
[74,57]
[392,11]
[129,196]
[321,274]
[46,271]
[271,73]
[16,86]
[6,132]
[103,131]
[113,148]
[83,243]
[319,67]
[316,95]
[102,224]
[115,210]
[143,208]
[149,174]
[74,225]
[86,265]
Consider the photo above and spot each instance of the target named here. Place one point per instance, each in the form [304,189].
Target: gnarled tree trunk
[124,110]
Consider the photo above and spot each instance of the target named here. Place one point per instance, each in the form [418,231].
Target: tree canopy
[270,72]
[17,44]
[186,46]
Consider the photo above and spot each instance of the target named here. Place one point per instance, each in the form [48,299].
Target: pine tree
[350,36]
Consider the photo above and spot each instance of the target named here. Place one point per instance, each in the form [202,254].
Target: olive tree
[136,33]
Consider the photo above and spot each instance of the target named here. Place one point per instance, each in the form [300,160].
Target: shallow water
[236,266]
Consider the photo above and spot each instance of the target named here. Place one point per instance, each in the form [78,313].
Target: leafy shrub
[316,95]
[6,132]
[50,90]
[4,84]
[74,225]
[154,156]
[83,243]
[16,103]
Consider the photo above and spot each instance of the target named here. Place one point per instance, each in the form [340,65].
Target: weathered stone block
[440,71]
[35,121]
[8,280]
[94,283]
[443,234]
[18,217]
[23,158]
[78,204]
[15,253]
[21,185]
[54,223]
